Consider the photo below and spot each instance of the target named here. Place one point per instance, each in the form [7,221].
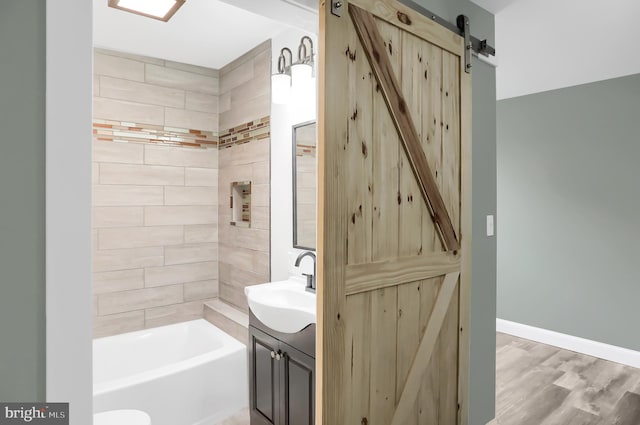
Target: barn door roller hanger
[462,27]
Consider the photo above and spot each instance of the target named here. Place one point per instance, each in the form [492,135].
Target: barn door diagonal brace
[461,27]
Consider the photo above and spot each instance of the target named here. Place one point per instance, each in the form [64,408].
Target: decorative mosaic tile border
[122,131]
[306,150]
[247,132]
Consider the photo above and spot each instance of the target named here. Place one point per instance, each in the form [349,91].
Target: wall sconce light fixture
[281,81]
[302,71]
[295,77]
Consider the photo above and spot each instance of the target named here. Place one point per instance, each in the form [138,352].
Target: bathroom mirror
[304,185]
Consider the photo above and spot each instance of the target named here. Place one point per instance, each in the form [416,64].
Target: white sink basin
[283,306]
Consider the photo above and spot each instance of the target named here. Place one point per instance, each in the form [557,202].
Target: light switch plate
[490,226]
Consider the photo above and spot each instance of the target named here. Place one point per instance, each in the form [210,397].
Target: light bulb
[281,88]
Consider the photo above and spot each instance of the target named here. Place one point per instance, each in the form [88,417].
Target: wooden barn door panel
[394,210]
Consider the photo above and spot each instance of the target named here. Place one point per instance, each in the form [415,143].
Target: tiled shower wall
[155,175]
[245,107]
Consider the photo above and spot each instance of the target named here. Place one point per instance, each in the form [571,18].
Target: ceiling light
[161,10]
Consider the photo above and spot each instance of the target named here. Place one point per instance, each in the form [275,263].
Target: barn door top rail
[461,27]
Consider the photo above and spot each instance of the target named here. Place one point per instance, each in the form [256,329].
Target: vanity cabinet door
[264,373]
[298,387]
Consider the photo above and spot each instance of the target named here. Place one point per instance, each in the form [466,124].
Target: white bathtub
[189,373]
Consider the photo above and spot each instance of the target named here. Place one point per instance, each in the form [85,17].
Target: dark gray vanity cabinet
[281,376]
[264,377]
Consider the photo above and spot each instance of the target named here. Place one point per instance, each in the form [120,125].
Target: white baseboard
[571,343]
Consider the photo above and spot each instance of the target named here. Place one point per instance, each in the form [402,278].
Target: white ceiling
[208,33]
[493,6]
[550,44]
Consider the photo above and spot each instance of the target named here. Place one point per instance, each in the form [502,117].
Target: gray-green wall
[569,202]
[483,293]
[22,200]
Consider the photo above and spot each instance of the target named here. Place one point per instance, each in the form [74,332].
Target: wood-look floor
[538,384]
[240,418]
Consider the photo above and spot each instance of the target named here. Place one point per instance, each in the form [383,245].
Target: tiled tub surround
[142,90]
[244,252]
[245,107]
[155,234]
[155,194]
[245,88]
[159,252]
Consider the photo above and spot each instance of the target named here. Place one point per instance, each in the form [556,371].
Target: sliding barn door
[394,218]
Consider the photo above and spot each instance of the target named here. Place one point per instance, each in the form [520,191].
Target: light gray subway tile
[245,259]
[201,234]
[260,194]
[239,277]
[117,217]
[308,180]
[180,157]
[131,56]
[152,175]
[121,280]
[260,217]
[139,237]
[117,88]
[126,153]
[191,119]
[193,253]
[233,295]
[170,77]
[261,172]
[246,153]
[195,69]
[94,240]
[306,195]
[255,87]
[236,77]
[190,195]
[240,172]
[182,273]
[243,111]
[127,259]
[262,66]
[114,324]
[139,299]
[202,102]
[119,67]
[201,177]
[224,105]
[167,315]
[200,290]
[119,110]
[180,215]
[243,237]
[125,195]
[248,56]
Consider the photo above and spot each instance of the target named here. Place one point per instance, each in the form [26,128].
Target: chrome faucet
[311,278]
